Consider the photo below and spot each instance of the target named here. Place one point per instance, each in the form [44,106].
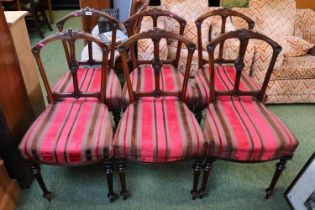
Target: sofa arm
[305,25]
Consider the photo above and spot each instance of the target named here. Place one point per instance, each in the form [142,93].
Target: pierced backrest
[69,37]
[138,6]
[155,35]
[244,36]
[87,14]
[223,14]
[155,13]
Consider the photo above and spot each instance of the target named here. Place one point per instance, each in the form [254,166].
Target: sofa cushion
[302,67]
[295,46]
[305,25]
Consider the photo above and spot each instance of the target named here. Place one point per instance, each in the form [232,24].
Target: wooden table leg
[51,16]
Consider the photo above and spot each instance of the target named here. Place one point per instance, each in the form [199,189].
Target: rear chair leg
[109,176]
[197,170]
[198,115]
[37,175]
[206,173]
[280,166]
[116,117]
[122,176]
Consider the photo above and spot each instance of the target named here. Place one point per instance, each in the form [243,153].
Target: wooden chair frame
[132,29]
[243,36]
[224,14]
[69,37]
[86,14]
[137,7]
[155,35]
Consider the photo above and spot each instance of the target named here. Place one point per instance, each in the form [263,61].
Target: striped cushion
[224,81]
[90,81]
[69,132]
[143,80]
[246,130]
[158,130]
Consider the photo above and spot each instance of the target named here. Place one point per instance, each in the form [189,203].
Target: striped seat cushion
[69,132]
[90,81]
[246,130]
[143,80]
[224,81]
[158,130]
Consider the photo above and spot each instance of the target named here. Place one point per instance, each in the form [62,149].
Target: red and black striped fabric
[245,130]
[89,80]
[69,132]
[143,80]
[223,81]
[157,131]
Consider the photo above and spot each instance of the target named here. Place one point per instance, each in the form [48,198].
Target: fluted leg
[122,176]
[280,166]
[109,176]
[197,170]
[207,169]
[37,175]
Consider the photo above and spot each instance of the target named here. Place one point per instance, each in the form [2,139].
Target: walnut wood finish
[133,24]
[138,6]
[155,35]
[88,14]
[69,37]
[224,14]
[243,35]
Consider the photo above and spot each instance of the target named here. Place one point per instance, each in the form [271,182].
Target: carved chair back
[155,35]
[244,36]
[224,14]
[87,14]
[154,13]
[138,6]
[70,37]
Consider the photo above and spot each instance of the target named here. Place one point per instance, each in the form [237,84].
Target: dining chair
[71,132]
[225,52]
[238,127]
[157,126]
[89,69]
[142,77]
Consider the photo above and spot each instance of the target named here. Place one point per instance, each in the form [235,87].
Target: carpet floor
[231,185]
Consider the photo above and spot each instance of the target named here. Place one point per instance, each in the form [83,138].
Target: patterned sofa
[293,80]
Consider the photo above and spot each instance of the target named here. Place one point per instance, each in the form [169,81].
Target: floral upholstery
[89,81]
[143,80]
[158,130]
[245,130]
[69,132]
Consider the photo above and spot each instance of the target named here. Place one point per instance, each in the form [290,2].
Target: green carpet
[231,185]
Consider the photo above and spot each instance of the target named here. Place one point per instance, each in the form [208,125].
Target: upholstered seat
[89,80]
[246,130]
[69,132]
[224,80]
[158,130]
[143,80]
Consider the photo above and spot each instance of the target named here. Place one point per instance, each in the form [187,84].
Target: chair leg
[37,24]
[207,169]
[122,176]
[44,15]
[109,177]
[197,170]
[198,115]
[116,117]
[280,166]
[37,175]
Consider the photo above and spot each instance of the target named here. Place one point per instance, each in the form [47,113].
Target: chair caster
[194,194]
[112,197]
[268,193]
[124,195]
[48,196]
